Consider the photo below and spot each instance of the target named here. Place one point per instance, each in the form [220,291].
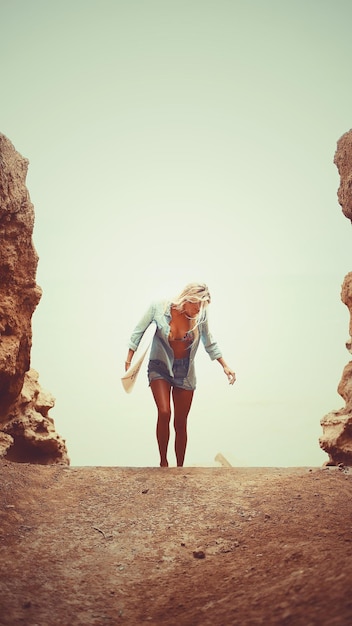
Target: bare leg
[161,392]
[182,403]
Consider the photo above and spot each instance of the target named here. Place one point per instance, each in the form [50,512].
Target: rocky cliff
[337,425]
[27,433]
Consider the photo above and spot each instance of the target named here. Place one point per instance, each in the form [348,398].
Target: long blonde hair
[194,292]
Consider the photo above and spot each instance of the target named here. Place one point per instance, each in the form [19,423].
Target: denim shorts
[158,370]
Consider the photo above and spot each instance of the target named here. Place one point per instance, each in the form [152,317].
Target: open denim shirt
[160,313]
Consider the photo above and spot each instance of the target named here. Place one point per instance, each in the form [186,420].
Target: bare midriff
[181,335]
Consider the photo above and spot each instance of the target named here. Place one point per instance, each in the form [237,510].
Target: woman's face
[191,308]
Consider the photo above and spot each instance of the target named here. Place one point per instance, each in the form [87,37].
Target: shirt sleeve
[141,327]
[210,345]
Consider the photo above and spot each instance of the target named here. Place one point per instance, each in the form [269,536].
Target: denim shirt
[160,313]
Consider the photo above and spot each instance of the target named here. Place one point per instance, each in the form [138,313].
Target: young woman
[180,325]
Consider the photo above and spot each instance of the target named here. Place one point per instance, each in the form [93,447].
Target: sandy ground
[177,546]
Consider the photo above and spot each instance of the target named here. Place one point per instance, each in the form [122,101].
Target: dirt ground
[178,546]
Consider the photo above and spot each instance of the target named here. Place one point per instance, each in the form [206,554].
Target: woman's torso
[181,335]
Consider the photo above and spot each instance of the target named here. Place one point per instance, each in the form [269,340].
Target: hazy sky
[178,141]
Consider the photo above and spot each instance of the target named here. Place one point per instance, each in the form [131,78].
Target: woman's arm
[128,361]
[214,352]
[138,333]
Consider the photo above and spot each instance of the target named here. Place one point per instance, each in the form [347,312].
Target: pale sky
[178,141]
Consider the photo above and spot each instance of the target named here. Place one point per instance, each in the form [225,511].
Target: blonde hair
[194,292]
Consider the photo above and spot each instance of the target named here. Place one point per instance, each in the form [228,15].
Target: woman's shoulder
[160,307]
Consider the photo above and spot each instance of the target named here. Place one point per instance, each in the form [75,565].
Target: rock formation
[27,433]
[343,162]
[337,425]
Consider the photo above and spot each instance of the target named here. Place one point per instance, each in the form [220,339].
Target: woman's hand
[230,374]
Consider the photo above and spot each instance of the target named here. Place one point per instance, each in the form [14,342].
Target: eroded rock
[21,400]
[343,162]
[337,425]
[31,430]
